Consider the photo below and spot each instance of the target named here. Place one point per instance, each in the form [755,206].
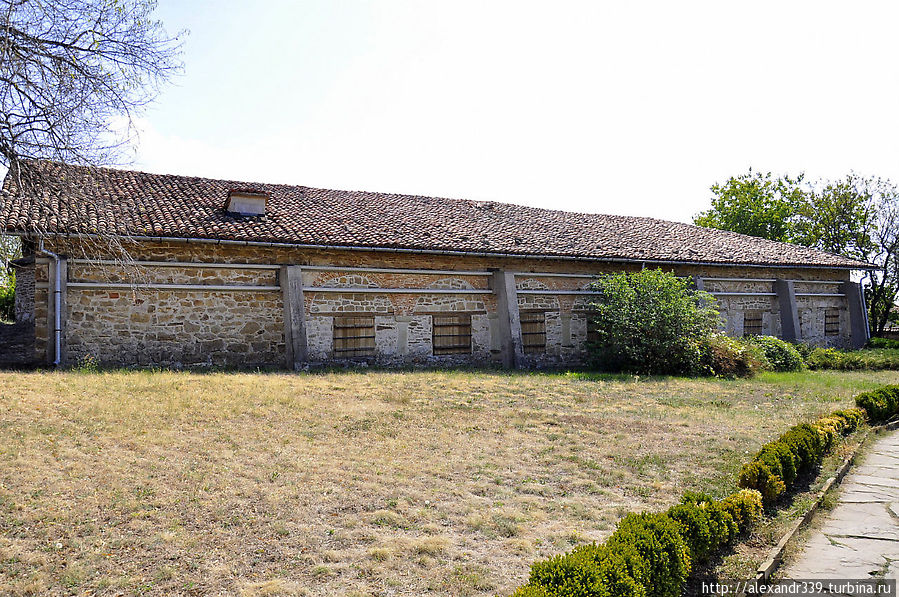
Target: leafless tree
[74,74]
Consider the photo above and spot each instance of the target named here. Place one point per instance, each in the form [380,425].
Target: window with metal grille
[831,322]
[752,323]
[533,331]
[451,334]
[354,336]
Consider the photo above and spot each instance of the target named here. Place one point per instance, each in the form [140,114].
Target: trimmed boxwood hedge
[881,404]
[651,555]
[648,555]
[801,449]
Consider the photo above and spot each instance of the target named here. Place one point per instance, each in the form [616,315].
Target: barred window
[752,323]
[451,334]
[354,336]
[533,331]
[831,322]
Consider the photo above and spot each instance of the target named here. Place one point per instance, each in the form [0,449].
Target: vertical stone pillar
[291,280]
[789,312]
[698,283]
[508,318]
[57,295]
[859,331]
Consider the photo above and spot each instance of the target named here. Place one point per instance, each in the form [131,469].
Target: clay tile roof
[102,200]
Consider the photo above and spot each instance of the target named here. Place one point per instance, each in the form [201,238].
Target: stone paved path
[859,538]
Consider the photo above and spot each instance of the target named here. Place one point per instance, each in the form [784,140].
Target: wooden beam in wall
[291,280]
[508,318]
[789,312]
[859,332]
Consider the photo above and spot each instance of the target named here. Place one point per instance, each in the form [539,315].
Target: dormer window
[246,203]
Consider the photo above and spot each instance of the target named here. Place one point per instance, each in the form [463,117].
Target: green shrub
[745,507]
[756,475]
[807,444]
[853,360]
[831,358]
[650,322]
[728,357]
[804,350]
[657,539]
[881,404]
[852,418]
[780,460]
[722,525]
[782,356]
[7,298]
[648,555]
[888,343]
[589,571]
[694,521]
[802,448]
[534,591]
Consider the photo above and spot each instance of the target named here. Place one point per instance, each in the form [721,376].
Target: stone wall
[25,293]
[16,344]
[193,326]
[175,328]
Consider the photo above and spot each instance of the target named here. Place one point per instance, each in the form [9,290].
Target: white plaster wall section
[319,337]
[419,339]
[385,336]
[480,336]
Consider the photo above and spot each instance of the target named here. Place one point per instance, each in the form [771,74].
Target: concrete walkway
[859,538]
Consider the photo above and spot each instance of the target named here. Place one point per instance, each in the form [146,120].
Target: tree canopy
[854,216]
[756,204]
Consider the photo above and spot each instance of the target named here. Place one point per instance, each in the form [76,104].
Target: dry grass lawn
[369,483]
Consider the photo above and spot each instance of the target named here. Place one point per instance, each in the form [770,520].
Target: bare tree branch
[71,71]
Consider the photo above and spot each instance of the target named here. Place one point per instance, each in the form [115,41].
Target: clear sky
[631,108]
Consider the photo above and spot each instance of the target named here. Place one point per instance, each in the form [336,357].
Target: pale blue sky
[627,107]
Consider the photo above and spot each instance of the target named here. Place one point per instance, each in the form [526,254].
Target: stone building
[226,273]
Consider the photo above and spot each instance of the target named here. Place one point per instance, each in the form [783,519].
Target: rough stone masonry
[317,277]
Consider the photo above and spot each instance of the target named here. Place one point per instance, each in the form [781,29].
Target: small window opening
[752,323]
[451,334]
[533,331]
[831,322]
[354,336]
[246,203]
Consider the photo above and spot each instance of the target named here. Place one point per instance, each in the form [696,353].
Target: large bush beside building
[651,322]
[781,356]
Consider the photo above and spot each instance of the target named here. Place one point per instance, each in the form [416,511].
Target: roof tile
[125,202]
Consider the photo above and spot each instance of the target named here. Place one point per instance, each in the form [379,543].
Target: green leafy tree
[855,216]
[650,322]
[10,248]
[837,217]
[758,205]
